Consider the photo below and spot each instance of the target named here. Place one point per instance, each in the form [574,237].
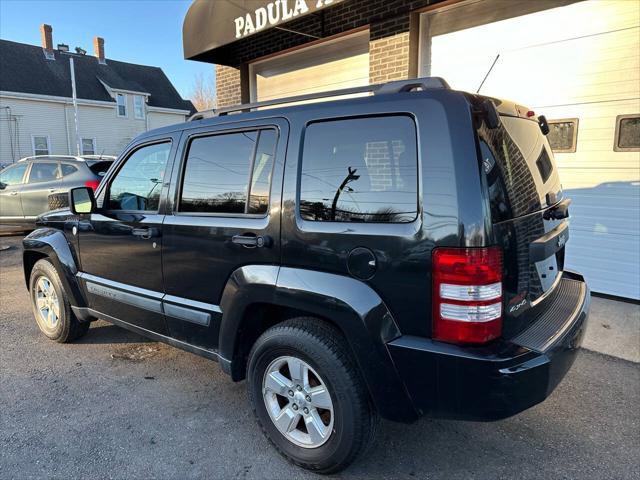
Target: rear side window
[43,172]
[67,169]
[360,170]
[229,173]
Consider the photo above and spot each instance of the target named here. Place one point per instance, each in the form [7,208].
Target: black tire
[324,349]
[67,327]
[58,200]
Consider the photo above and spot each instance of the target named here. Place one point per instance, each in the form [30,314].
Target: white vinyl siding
[20,118]
[580,61]
[121,101]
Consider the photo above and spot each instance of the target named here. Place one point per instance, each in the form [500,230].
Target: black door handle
[145,233]
[252,241]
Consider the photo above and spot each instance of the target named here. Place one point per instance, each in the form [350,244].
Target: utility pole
[75,104]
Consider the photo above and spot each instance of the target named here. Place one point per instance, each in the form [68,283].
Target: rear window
[360,170]
[519,168]
[100,168]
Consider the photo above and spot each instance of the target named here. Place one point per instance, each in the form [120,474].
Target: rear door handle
[146,233]
[252,240]
[13,194]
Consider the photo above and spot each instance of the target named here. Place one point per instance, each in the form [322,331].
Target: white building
[116,100]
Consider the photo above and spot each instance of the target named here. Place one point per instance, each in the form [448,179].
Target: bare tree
[203,95]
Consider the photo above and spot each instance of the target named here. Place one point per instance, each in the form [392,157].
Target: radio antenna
[485,77]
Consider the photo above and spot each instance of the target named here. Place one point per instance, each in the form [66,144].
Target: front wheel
[308,395]
[51,307]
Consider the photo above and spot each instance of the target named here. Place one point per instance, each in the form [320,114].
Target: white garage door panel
[344,73]
[578,61]
[618,262]
[331,65]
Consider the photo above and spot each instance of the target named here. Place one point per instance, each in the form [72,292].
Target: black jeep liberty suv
[393,255]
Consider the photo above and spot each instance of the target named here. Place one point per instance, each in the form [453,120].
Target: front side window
[627,133]
[88,146]
[360,170]
[43,172]
[563,135]
[138,107]
[40,145]
[13,175]
[229,173]
[137,186]
[121,100]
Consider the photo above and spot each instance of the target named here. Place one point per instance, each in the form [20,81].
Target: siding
[28,117]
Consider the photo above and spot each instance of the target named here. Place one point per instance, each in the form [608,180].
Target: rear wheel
[308,396]
[51,307]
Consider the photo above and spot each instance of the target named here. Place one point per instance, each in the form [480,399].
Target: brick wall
[227,86]
[389,58]
[388,21]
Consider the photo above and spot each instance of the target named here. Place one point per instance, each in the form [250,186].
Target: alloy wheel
[298,402]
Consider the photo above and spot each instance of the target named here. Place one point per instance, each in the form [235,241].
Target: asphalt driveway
[116,406]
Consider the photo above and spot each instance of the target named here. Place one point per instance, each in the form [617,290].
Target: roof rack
[398,86]
[35,157]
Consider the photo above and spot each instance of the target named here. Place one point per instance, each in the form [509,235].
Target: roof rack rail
[378,89]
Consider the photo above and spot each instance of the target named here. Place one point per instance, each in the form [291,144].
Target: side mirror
[81,200]
[3,186]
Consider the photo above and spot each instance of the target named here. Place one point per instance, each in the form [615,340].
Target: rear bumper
[497,381]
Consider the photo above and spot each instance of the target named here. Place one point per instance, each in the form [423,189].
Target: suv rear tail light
[467,294]
[92,184]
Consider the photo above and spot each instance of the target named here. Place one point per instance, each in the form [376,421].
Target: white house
[115,100]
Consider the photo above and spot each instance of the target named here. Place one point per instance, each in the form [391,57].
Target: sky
[147,32]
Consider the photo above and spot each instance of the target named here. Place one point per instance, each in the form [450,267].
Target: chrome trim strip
[192,303]
[125,297]
[120,286]
[176,307]
[182,313]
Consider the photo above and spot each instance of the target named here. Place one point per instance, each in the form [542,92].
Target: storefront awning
[210,25]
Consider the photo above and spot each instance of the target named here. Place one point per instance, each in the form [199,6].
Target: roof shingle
[24,68]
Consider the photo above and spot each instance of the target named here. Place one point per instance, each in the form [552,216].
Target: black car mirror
[3,186]
[81,200]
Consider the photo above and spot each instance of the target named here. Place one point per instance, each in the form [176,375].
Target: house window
[40,144]
[138,107]
[563,135]
[88,146]
[121,100]
[627,138]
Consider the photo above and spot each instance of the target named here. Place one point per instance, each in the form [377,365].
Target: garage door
[579,63]
[332,65]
